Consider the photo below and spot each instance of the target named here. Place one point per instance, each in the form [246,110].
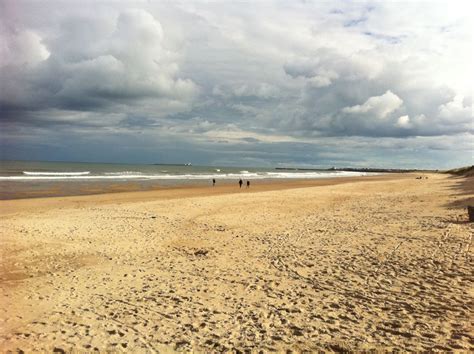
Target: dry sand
[384,263]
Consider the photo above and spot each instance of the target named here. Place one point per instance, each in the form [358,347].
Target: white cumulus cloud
[379,106]
[403,122]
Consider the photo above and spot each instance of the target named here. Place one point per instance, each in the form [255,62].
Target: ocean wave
[314,174]
[139,176]
[123,173]
[29,173]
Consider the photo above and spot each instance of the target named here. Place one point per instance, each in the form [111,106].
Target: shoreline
[14,205]
[73,188]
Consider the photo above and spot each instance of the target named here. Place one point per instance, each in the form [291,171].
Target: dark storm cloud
[94,65]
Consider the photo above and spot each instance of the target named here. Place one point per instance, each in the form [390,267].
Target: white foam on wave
[28,173]
[315,174]
[139,176]
[123,173]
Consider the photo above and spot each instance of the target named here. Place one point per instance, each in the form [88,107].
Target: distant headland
[172,164]
[464,171]
[356,169]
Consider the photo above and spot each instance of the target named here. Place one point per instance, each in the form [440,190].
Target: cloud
[318,79]
[100,68]
[327,65]
[315,75]
[456,111]
[22,48]
[261,90]
[379,106]
[403,122]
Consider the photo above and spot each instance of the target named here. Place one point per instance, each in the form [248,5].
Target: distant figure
[248,184]
[240,183]
[213,182]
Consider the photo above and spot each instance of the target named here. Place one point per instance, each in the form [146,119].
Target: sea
[19,179]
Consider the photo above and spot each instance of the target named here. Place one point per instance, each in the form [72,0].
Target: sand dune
[380,264]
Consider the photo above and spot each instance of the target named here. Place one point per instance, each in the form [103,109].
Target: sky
[260,83]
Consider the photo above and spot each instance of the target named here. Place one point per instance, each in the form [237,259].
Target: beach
[358,263]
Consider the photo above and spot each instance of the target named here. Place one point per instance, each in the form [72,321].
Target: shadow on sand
[464,190]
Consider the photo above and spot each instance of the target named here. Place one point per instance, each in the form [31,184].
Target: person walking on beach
[240,183]
[213,182]
[248,184]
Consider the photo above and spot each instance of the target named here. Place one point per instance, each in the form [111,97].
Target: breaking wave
[28,173]
[133,175]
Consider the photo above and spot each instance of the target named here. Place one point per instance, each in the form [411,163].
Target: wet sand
[45,189]
[374,263]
